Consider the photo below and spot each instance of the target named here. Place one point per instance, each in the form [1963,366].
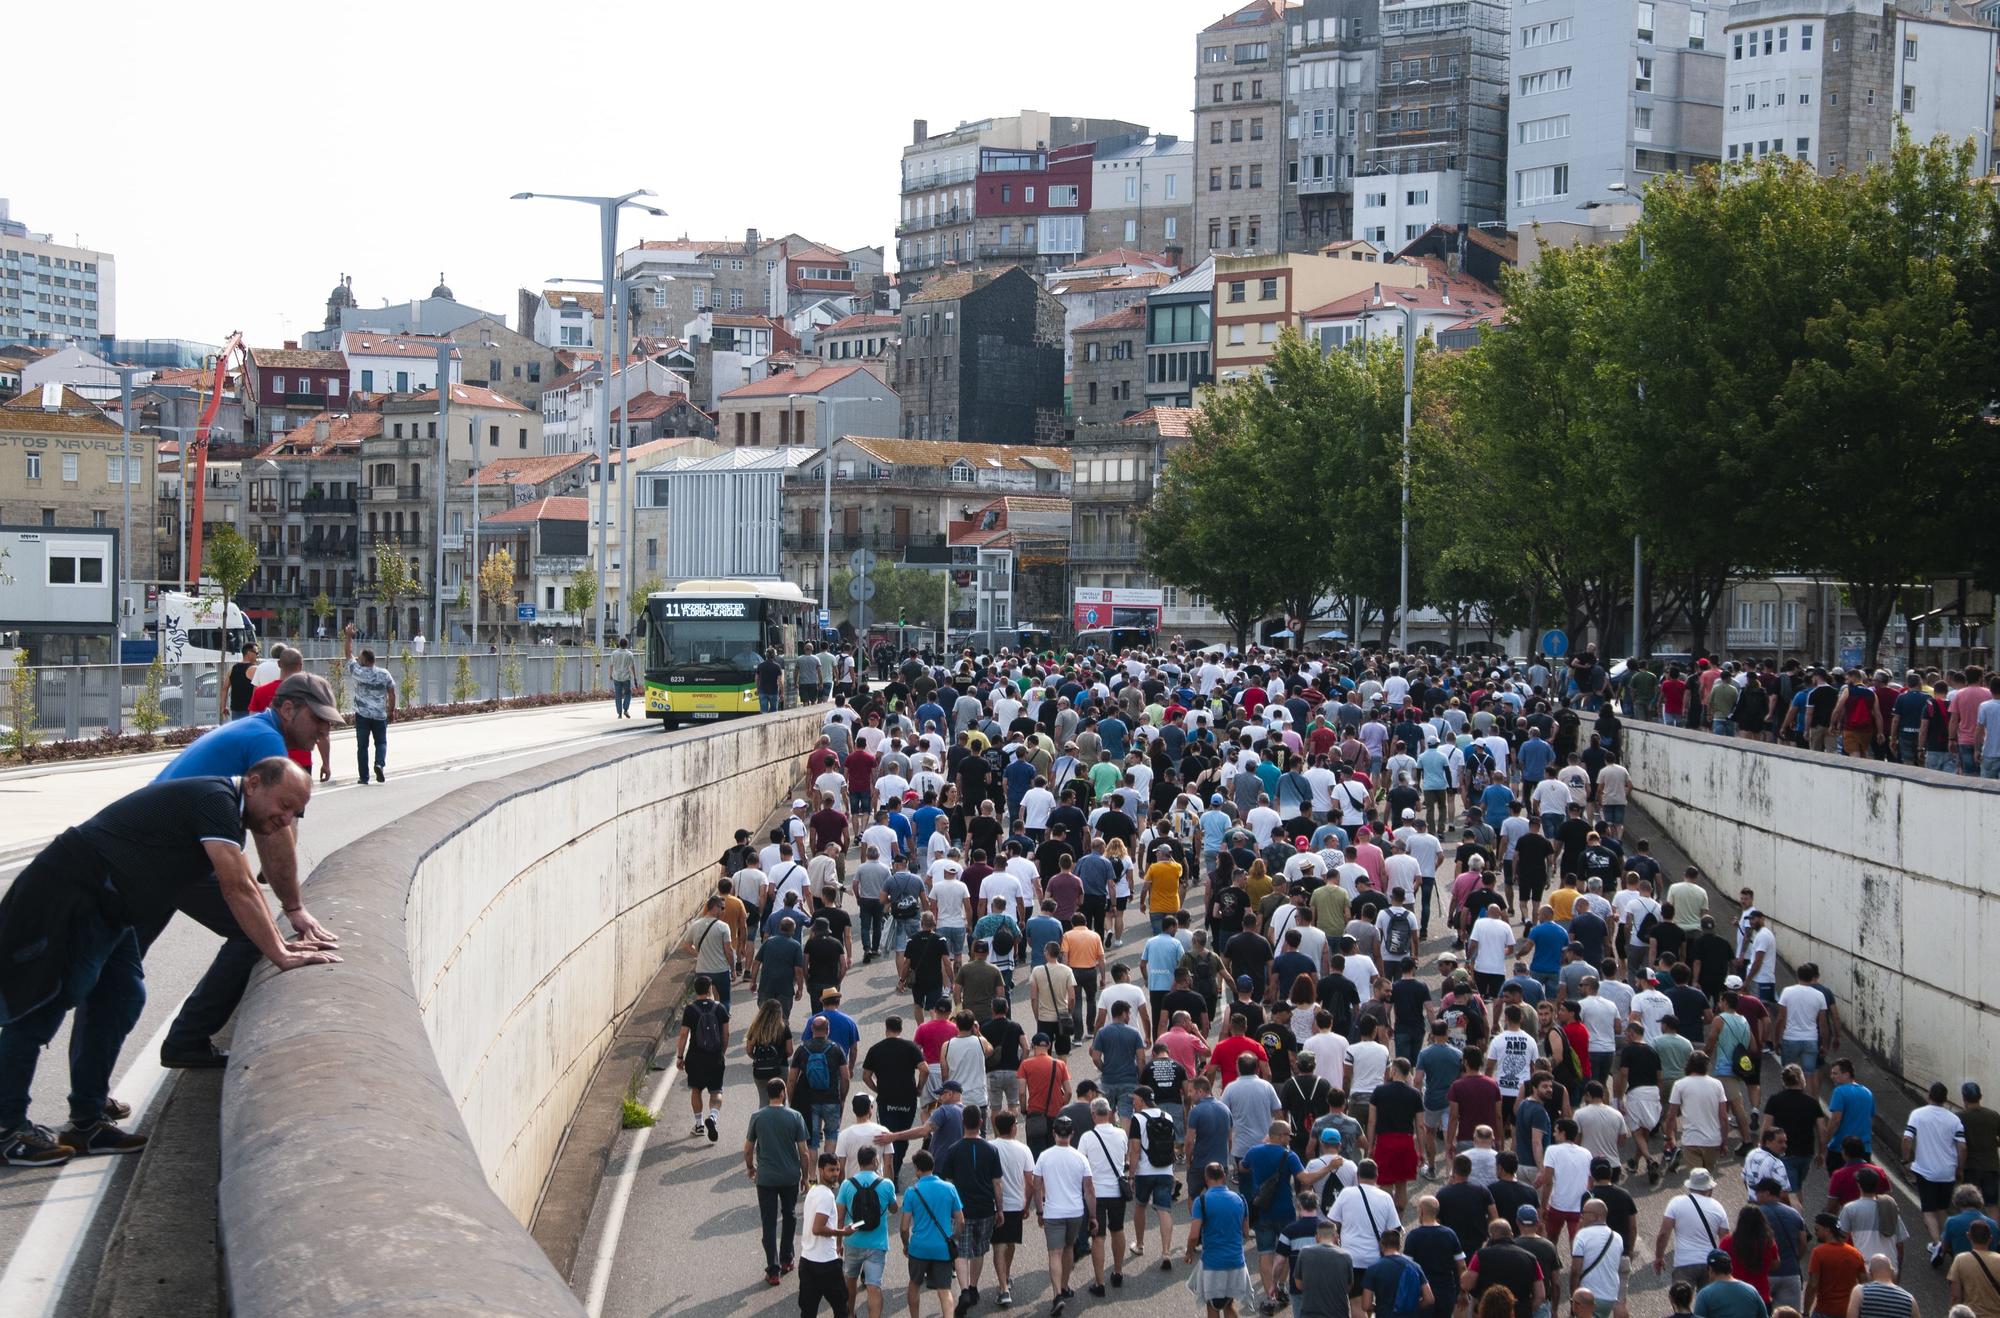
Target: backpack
[1003,940]
[906,905]
[819,1068]
[1396,942]
[1159,1132]
[708,1035]
[1409,1287]
[866,1213]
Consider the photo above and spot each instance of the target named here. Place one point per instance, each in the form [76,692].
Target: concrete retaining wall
[389,1122]
[1883,875]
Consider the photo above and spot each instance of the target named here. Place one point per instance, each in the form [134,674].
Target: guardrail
[401,1111]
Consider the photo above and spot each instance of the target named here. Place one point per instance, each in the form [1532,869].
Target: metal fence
[73,701]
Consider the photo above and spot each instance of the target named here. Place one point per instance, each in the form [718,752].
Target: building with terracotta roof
[282,387]
[301,500]
[1021,543]
[1376,313]
[550,542]
[648,416]
[680,278]
[982,359]
[396,363]
[1089,295]
[1109,366]
[1178,338]
[1257,297]
[804,406]
[891,494]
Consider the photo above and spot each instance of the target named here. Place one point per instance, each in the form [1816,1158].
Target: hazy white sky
[238,161]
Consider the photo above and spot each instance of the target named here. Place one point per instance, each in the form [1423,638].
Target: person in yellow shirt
[1163,887]
[1563,899]
[1257,883]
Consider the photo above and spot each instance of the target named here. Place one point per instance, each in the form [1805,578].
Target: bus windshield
[695,646]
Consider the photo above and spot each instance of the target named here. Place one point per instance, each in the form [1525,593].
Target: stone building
[982,359]
[1109,369]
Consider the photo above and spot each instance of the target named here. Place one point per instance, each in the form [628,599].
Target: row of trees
[1774,371]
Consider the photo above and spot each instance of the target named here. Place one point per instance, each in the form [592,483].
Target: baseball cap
[1302,841]
[1245,982]
[1753,911]
[1062,1126]
[313,691]
[1329,1134]
[798,805]
[1411,814]
[1216,799]
[1447,958]
[1526,1214]
[1719,1259]
[1041,1037]
[742,834]
[952,1085]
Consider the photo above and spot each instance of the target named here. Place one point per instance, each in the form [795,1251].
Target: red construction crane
[199,450]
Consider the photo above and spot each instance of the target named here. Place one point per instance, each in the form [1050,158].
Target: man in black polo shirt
[72,926]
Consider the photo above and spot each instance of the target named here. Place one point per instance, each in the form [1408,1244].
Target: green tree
[229,560]
[393,583]
[21,735]
[463,688]
[579,596]
[1201,530]
[413,687]
[909,592]
[147,716]
[322,608]
[496,583]
[510,672]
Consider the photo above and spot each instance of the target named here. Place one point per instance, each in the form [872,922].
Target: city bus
[704,639]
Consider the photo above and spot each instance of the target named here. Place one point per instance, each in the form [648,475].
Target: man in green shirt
[1642,690]
[774,1158]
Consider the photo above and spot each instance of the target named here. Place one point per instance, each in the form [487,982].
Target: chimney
[292,344]
[1173,253]
[750,240]
[1378,292]
[919,130]
[321,428]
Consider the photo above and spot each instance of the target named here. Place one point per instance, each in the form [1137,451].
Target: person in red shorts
[290,661]
[1393,1112]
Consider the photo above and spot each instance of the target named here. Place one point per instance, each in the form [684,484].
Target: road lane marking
[621,1198]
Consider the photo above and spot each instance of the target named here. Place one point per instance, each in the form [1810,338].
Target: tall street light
[826,503]
[607,241]
[1409,388]
[1638,599]
[439,477]
[125,374]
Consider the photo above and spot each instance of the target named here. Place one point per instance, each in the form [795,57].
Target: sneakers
[964,1304]
[116,1111]
[100,1137]
[708,1124]
[1652,1171]
[378,775]
[205,1056]
[1097,1289]
[1005,1299]
[700,1128]
[1166,1265]
[33,1146]
[1117,1278]
[770,1276]
[1937,1253]
[1673,1161]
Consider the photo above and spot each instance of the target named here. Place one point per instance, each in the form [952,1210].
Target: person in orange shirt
[1163,887]
[291,661]
[1083,950]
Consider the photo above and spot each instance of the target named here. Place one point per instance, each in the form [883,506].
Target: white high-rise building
[1609,92]
[51,290]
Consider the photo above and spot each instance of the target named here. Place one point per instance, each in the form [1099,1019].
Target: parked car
[204,700]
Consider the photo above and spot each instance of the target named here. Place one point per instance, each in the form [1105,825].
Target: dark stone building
[982,360]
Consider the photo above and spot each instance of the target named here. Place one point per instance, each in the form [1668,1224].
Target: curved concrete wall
[390,1121]
[1883,875]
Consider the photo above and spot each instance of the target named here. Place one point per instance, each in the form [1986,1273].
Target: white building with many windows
[1609,92]
[50,290]
[1393,209]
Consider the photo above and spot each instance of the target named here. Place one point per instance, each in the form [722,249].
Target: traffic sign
[862,561]
[825,619]
[861,588]
[524,613]
[1555,643]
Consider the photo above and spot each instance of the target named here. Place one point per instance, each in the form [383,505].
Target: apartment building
[1825,81]
[51,291]
[300,501]
[1239,143]
[286,386]
[803,407]
[1609,92]
[64,463]
[1109,367]
[1017,186]
[1179,339]
[982,359]
[874,341]
[1257,297]
[1141,195]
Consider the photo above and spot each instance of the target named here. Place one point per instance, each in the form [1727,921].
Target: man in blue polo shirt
[300,714]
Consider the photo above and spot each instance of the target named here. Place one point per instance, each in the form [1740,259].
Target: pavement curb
[163,1255]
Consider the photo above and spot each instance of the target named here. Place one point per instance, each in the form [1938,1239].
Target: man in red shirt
[1222,1061]
[821,758]
[860,767]
[291,661]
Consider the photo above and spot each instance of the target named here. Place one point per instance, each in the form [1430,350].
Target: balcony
[404,493]
[1106,551]
[886,542]
[941,179]
[317,506]
[1764,638]
[336,546]
[1007,251]
[1316,186]
[1112,492]
[395,539]
[943,219]
[317,402]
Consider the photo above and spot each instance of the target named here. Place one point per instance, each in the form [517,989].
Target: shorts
[1702,1155]
[1062,1232]
[1111,1213]
[955,936]
[1395,1158]
[1934,1196]
[1613,814]
[1989,1185]
[1003,1088]
[1642,1108]
[1153,1191]
[1267,1237]
[1803,1053]
[1437,1119]
[1007,1227]
[1216,1287]
[702,1070]
[933,1274]
[977,1237]
[867,1264]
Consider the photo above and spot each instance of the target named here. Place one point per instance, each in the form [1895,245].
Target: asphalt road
[62,1207]
[687,1237]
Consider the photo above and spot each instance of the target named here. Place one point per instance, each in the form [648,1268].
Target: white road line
[621,1197]
[46,1254]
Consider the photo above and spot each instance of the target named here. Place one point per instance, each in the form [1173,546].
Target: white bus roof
[768,590]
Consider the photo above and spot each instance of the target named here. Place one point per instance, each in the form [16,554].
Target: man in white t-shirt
[1696,1224]
[1511,1056]
[1489,945]
[1017,1162]
[858,1133]
[1125,991]
[1360,1214]
[1059,1189]
[1036,803]
[819,1241]
[1934,1147]
[1563,1180]
[1599,1257]
[1761,951]
[950,899]
[1697,1111]
[1801,1026]
[1263,822]
[886,841]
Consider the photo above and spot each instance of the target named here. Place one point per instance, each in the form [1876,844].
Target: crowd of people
[1385,1012]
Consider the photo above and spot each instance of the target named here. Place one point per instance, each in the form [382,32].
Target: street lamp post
[439,475]
[125,374]
[1409,389]
[1638,582]
[607,242]
[826,501]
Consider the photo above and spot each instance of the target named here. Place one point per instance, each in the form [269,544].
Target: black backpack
[1159,1130]
[866,1213]
[1003,940]
[708,1035]
[1396,942]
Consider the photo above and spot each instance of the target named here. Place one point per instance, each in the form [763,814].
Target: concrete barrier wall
[389,1122]
[1881,874]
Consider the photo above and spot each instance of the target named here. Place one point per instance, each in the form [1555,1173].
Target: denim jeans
[214,999]
[364,729]
[1938,760]
[822,1122]
[1671,720]
[954,934]
[1968,760]
[621,697]
[767,703]
[1426,890]
[104,983]
[776,1202]
[1989,766]
[1723,727]
[874,918]
[902,931]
